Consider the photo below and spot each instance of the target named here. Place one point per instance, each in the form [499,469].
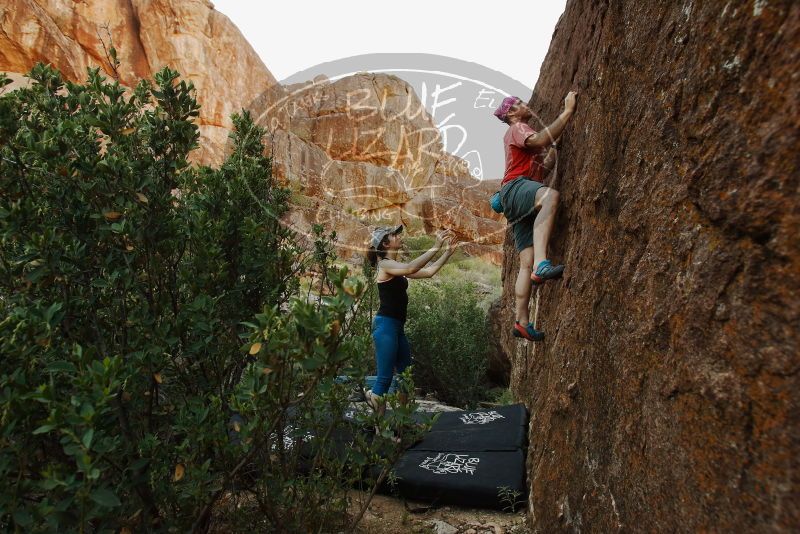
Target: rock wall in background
[362,151]
[356,152]
[665,396]
[188,35]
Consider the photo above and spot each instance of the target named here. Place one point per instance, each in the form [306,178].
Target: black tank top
[394,298]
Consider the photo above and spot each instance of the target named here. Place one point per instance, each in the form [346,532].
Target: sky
[292,36]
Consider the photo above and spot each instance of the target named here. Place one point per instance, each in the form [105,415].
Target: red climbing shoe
[527,332]
[546,271]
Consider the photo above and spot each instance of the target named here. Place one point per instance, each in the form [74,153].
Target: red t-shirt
[521,160]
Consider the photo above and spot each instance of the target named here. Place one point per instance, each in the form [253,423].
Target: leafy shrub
[484,275]
[501,396]
[157,361]
[449,340]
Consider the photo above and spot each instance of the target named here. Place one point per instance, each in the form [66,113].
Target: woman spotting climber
[527,204]
[392,350]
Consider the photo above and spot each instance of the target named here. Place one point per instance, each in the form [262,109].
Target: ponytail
[374,255]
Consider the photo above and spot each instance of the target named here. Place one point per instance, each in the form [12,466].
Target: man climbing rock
[528,204]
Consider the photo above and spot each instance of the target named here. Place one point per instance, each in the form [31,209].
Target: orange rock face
[188,35]
[357,152]
[369,118]
[362,151]
[665,397]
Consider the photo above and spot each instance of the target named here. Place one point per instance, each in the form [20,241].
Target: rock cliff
[362,151]
[189,36]
[356,152]
[665,396]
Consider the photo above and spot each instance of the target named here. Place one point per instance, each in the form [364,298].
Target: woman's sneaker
[376,402]
[546,271]
[527,332]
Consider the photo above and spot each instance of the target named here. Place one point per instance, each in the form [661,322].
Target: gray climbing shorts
[519,200]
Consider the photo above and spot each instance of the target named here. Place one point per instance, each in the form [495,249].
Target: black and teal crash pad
[496,419]
[501,429]
[471,458]
[466,478]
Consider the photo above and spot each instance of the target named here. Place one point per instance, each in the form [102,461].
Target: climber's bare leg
[546,202]
[522,289]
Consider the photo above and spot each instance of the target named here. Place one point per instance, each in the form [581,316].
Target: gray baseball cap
[382,231]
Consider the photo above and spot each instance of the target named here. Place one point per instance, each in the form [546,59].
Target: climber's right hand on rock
[570,101]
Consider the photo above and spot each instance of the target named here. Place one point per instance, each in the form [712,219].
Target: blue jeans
[392,350]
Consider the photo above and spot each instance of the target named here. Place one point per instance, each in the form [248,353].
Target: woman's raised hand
[441,235]
[453,246]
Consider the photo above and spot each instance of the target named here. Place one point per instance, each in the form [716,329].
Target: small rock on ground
[440,527]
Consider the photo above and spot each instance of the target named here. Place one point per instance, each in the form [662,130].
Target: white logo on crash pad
[291,436]
[480,418]
[450,464]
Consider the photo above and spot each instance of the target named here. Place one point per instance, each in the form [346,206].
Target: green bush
[484,275]
[449,340]
[157,357]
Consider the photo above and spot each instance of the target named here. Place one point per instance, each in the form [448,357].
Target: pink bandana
[504,106]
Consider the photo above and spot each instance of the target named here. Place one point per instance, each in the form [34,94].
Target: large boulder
[366,145]
[358,151]
[190,36]
[665,396]
[371,118]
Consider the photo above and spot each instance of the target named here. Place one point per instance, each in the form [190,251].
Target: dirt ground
[389,515]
